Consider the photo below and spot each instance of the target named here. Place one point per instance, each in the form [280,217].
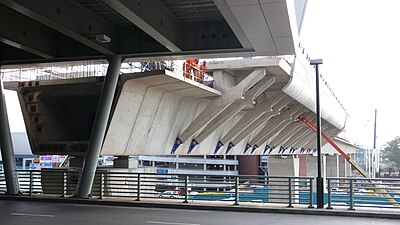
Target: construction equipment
[312,126]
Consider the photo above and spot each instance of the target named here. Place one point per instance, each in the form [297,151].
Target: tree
[391,156]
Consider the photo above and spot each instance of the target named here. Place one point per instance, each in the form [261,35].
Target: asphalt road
[42,213]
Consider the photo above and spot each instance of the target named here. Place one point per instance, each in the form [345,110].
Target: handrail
[199,187]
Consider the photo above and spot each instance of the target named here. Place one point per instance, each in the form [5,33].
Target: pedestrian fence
[363,192]
[350,193]
[179,187]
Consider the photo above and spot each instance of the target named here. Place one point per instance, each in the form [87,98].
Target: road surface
[43,213]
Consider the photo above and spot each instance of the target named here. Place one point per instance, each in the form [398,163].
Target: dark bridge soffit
[65,30]
[10,33]
[233,23]
[67,18]
[153,18]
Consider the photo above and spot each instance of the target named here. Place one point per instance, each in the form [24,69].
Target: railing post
[329,194]
[236,191]
[30,183]
[351,195]
[138,188]
[290,192]
[311,194]
[101,185]
[186,189]
[63,184]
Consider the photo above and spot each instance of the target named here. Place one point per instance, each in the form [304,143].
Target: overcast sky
[359,41]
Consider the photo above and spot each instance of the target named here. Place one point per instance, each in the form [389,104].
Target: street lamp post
[320,179]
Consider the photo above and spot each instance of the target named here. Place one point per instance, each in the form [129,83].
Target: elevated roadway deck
[250,109]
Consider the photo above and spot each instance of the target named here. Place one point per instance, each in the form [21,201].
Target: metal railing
[183,187]
[94,68]
[363,192]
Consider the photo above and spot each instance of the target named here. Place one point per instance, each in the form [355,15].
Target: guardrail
[184,187]
[363,192]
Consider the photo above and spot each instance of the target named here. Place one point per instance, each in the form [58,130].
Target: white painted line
[171,223]
[33,215]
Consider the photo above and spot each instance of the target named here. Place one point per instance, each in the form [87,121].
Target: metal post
[290,192]
[138,188]
[311,194]
[320,179]
[30,183]
[236,191]
[99,127]
[101,185]
[186,189]
[63,184]
[7,150]
[351,195]
[329,194]
[376,111]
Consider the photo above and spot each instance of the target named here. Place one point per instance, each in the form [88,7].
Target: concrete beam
[250,116]
[232,110]
[219,105]
[285,134]
[276,124]
[153,18]
[82,26]
[262,120]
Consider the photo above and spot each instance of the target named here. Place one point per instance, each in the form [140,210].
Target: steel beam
[67,18]
[152,17]
[23,33]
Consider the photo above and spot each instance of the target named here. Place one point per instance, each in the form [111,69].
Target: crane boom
[312,126]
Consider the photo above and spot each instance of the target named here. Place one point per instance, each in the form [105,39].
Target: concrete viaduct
[250,109]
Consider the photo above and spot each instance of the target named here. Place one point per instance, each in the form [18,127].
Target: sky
[359,41]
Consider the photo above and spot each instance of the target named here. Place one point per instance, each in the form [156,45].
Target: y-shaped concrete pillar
[7,150]
[232,110]
[99,127]
[250,116]
[276,124]
[220,105]
[260,121]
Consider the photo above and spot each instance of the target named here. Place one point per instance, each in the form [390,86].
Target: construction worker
[202,69]
[189,66]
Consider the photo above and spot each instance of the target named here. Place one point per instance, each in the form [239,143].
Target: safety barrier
[183,187]
[363,192]
[93,68]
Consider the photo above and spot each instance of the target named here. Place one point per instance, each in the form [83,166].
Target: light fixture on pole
[320,179]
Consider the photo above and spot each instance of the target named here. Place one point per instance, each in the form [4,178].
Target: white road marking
[33,215]
[171,223]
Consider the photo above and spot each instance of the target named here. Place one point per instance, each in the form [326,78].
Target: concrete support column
[7,150]
[99,127]
[287,167]
[126,162]
[338,165]
[332,166]
[342,166]
[278,166]
[312,167]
